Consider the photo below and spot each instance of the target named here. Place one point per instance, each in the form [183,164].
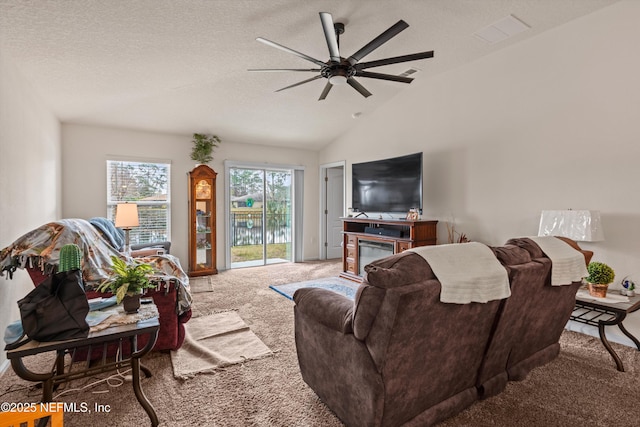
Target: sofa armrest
[166,246]
[587,254]
[138,253]
[328,308]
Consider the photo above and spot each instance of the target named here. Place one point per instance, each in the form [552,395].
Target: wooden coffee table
[601,314]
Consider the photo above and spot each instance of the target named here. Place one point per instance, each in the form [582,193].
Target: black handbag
[56,309]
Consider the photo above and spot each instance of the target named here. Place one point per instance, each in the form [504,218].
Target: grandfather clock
[202,221]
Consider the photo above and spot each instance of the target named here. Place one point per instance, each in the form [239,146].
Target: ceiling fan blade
[286,49]
[264,70]
[330,35]
[300,83]
[395,60]
[357,86]
[378,41]
[381,76]
[325,91]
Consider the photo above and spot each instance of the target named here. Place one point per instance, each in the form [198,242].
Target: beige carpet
[581,388]
[215,341]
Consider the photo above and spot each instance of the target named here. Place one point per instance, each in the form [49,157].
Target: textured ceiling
[180,66]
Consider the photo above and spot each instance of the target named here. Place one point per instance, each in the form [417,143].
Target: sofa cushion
[368,300]
[387,273]
[326,307]
[166,246]
[528,245]
[147,252]
[511,255]
[398,270]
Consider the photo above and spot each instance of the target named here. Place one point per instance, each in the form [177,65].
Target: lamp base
[127,246]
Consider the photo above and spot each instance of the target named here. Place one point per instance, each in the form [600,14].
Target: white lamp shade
[581,226]
[127,215]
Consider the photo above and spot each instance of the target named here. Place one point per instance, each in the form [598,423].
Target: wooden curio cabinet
[202,221]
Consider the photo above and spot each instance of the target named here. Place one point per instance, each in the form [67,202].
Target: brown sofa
[531,320]
[398,356]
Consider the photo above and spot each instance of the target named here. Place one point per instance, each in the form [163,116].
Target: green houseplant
[203,145]
[599,278]
[128,281]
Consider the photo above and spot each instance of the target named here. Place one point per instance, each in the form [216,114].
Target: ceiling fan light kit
[337,79]
[339,70]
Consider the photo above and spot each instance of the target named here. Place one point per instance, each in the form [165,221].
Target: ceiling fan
[338,70]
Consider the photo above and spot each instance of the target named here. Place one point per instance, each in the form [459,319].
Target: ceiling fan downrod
[339,28]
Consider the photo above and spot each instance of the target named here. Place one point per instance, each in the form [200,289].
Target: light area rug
[336,284]
[201,284]
[215,341]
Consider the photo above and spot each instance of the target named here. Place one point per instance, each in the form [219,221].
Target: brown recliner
[531,320]
[398,356]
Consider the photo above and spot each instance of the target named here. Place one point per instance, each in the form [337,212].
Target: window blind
[148,185]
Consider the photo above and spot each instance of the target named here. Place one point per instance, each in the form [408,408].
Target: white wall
[549,123]
[86,149]
[29,174]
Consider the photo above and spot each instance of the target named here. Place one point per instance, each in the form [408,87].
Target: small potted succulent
[128,282]
[599,278]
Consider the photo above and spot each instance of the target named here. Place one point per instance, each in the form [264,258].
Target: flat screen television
[389,185]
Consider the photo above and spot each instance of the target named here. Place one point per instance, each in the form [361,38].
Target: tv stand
[362,213]
[366,239]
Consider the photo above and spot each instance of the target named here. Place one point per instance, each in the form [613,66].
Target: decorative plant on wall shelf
[599,278]
[203,146]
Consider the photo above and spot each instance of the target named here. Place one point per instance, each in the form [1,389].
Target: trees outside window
[148,185]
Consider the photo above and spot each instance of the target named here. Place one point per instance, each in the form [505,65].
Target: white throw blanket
[468,272]
[567,264]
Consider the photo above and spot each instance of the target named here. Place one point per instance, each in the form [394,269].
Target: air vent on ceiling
[409,72]
[501,30]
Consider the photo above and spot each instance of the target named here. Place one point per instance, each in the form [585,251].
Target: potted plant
[599,278]
[203,146]
[127,282]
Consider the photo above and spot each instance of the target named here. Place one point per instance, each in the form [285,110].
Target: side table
[96,341]
[602,313]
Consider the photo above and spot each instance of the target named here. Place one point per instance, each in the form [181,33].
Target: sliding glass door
[260,223]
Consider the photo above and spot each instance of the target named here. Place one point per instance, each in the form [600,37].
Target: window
[146,184]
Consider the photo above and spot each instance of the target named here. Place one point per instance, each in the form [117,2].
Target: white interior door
[334,211]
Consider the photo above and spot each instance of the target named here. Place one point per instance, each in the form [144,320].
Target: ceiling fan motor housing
[342,68]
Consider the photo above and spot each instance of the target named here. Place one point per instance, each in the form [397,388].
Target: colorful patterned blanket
[40,248]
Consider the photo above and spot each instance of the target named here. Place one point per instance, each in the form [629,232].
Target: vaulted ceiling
[180,66]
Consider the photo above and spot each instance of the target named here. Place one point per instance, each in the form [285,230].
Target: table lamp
[578,225]
[127,217]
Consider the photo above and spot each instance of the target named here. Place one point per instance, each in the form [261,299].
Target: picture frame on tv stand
[412,215]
